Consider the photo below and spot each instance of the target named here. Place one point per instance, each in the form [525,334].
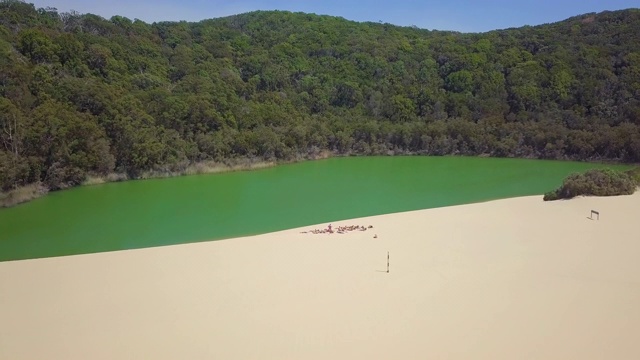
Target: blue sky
[458,15]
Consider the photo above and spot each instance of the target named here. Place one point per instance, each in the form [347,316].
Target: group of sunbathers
[339,229]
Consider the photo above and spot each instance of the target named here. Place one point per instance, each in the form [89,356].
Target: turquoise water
[157,212]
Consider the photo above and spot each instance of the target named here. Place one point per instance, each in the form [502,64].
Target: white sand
[510,279]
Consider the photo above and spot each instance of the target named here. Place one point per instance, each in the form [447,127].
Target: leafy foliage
[81,95]
[605,182]
[634,173]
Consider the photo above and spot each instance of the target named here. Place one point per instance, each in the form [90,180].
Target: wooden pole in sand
[387,262]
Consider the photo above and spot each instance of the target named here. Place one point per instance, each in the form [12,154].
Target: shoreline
[34,191]
[502,279]
[198,168]
[58,234]
[7,199]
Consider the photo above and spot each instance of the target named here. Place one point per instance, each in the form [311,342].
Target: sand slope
[509,279]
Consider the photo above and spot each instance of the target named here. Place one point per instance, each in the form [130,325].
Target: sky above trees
[457,15]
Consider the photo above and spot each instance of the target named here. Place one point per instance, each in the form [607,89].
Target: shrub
[635,174]
[600,182]
[22,194]
[551,195]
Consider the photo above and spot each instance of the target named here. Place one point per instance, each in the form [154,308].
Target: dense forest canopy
[80,94]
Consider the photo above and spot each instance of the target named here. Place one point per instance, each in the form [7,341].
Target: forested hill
[85,95]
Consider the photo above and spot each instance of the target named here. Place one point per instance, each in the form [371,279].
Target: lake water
[157,212]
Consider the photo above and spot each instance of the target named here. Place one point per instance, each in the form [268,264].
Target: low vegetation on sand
[597,182]
[635,174]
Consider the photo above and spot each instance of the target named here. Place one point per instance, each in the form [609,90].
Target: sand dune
[510,279]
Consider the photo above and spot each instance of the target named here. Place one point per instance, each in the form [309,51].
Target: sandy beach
[510,279]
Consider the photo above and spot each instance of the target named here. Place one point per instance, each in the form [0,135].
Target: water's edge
[145,213]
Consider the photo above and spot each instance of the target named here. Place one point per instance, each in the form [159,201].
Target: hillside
[81,95]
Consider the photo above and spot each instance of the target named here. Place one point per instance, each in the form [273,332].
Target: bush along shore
[598,182]
[22,194]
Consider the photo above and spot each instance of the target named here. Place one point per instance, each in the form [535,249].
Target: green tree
[37,46]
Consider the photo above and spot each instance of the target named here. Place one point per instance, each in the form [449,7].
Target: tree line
[82,95]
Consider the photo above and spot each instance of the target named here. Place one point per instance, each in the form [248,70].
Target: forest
[84,96]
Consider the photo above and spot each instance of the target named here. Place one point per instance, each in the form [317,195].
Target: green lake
[137,214]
